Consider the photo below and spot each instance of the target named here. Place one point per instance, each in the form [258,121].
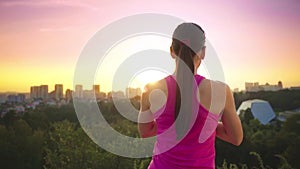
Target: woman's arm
[146,124]
[230,129]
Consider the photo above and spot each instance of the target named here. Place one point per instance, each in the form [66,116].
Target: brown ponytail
[184,78]
[183,45]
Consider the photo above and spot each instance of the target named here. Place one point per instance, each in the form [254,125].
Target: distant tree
[246,116]
[292,124]
[69,147]
[292,153]
[9,118]
[20,147]
[55,114]
[36,120]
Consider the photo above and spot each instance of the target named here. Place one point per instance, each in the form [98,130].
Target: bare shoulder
[212,95]
[155,95]
[160,84]
[208,85]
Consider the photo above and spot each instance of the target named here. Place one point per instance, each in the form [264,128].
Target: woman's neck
[195,72]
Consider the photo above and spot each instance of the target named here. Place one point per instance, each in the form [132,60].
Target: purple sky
[256,40]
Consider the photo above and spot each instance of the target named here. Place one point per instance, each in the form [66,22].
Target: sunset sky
[40,41]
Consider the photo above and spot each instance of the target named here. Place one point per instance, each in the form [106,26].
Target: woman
[183,110]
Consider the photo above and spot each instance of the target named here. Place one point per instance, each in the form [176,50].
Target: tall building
[78,91]
[59,94]
[43,91]
[39,92]
[96,88]
[280,85]
[34,92]
[68,95]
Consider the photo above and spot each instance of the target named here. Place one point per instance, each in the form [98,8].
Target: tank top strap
[171,87]
[199,79]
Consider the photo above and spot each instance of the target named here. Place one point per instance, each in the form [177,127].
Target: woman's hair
[187,40]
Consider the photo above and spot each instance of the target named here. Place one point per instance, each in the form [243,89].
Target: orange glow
[254,42]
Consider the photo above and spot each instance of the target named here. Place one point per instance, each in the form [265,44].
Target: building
[88,94]
[133,92]
[59,94]
[96,88]
[235,90]
[3,98]
[280,84]
[12,98]
[43,92]
[78,91]
[260,109]
[39,92]
[68,95]
[34,92]
[295,88]
[20,98]
[255,87]
[283,116]
[115,95]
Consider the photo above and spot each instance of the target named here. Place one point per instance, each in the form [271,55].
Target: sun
[147,76]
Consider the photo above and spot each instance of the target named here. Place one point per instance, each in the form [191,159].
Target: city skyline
[41,43]
[41,92]
[255,86]
[94,87]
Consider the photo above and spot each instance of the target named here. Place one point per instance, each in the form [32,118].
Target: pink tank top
[197,148]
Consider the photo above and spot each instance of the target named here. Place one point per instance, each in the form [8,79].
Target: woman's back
[196,149]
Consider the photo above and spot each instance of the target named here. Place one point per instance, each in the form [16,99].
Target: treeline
[51,137]
[280,100]
[276,144]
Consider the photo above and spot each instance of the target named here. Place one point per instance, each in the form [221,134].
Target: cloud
[49,3]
